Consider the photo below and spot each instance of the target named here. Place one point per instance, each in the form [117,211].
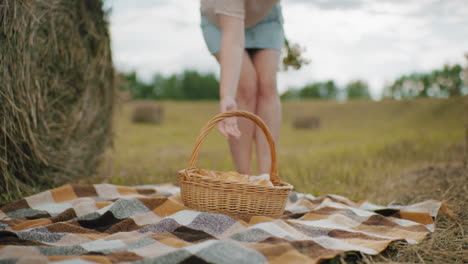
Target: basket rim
[184,176]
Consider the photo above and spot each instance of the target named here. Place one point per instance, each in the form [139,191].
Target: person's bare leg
[246,99]
[268,103]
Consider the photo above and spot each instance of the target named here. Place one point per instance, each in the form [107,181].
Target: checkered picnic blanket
[105,223]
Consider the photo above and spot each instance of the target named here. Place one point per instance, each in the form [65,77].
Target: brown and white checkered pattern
[105,223]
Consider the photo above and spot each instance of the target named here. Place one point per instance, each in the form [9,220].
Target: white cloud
[163,37]
[373,40]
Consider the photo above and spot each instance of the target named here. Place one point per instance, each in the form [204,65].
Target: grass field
[359,146]
[384,152]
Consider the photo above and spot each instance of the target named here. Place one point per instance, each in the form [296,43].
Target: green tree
[329,90]
[310,91]
[172,88]
[290,93]
[188,85]
[443,82]
[357,89]
[158,84]
[137,88]
[319,90]
[199,86]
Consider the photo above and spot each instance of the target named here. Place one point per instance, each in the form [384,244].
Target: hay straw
[56,92]
[148,112]
[448,243]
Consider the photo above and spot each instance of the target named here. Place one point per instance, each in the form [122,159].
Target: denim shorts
[266,34]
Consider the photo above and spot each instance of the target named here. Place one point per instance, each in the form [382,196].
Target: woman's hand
[228,126]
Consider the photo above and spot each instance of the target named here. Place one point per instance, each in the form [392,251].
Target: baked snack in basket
[263,179]
[218,192]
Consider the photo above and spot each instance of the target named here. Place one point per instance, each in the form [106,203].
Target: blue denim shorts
[266,34]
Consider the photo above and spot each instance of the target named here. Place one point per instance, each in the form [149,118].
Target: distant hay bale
[56,92]
[148,112]
[307,122]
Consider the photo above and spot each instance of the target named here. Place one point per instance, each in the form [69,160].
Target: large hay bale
[148,112]
[307,122]
[56,92]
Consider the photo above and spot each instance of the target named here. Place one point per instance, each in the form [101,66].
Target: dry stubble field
[388,151]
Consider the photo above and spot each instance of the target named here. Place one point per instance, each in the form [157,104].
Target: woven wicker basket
[236,199]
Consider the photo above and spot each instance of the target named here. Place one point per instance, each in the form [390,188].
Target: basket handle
[274,177]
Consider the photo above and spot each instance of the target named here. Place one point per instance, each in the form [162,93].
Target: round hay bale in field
[56,92]
[148,112]
[307,122]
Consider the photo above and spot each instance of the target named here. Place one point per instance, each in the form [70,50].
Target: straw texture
[56,92]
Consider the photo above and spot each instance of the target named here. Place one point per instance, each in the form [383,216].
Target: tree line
[193,85]
[188,85]
[329,90]
[449,81]
[445,82]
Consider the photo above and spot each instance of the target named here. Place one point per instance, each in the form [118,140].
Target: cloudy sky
[374,40]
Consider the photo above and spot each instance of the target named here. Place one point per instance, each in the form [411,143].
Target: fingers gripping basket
[240,200]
